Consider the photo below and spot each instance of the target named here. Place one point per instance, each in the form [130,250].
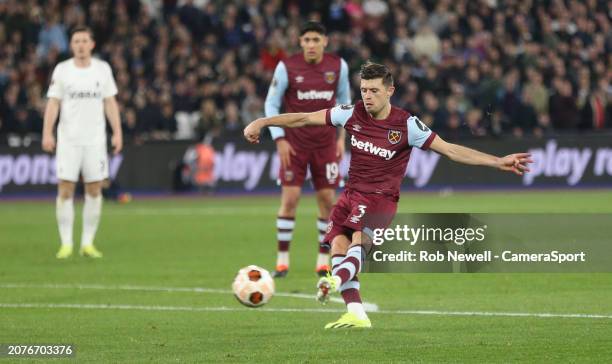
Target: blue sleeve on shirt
[418,133]
[340,114]
[274,99]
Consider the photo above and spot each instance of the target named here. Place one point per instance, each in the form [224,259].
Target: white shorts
[90,160]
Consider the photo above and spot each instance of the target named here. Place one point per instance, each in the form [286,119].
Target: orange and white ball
[253,286]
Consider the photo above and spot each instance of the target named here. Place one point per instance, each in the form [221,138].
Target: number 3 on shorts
[355,218]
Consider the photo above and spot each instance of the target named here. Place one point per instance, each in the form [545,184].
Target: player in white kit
[82,91]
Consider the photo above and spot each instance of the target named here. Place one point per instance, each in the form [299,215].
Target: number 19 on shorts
[331,172]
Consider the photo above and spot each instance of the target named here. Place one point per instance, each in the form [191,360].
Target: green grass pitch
[130,305]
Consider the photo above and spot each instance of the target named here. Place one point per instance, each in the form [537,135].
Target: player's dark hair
[313,26]
[372,71]
[82,29]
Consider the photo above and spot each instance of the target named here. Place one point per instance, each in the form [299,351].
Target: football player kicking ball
[382,136]
[84,88]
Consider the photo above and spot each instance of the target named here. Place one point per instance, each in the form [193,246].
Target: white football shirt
[82,92]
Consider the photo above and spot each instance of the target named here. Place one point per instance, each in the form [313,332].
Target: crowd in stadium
[185,69]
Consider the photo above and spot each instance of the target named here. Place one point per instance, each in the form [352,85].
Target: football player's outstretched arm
[517,163]
[291,120]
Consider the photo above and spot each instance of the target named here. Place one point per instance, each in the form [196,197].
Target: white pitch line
[497,314]
[370,307]
[178,211]
[161,308]
[310,310]
[186,211]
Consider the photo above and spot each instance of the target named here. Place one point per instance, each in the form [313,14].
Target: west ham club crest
[394,136]
[330,77]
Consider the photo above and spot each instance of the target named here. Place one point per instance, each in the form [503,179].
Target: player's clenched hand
[517,163]
[285,151]
[117,142]
[252,131]
[48,143]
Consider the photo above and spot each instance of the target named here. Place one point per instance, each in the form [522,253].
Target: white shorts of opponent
[90,160]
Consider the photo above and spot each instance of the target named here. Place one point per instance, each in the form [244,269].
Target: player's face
[375,95]
[313,44]
[81,45]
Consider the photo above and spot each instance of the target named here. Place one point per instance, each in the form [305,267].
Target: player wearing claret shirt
[82,92]
[382,137]
[306,82]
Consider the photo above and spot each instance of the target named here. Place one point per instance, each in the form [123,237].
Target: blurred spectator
[458,92]
[525,117]
[402,45]
[192,18]
[146,113]
[473,120]
[375,8]
[165,123]
[252,105]
[597,110]
[471,85]
[273,52]
[426,43]
[131,130]
[232,124]
[209,119]
[451,121]
[439,18]
[510,99]
[431,107]
[536,92]
[337,17]
[563,107]
[52,35]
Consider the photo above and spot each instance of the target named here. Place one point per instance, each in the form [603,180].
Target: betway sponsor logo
[38,169]
[315,95]
[372,149]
